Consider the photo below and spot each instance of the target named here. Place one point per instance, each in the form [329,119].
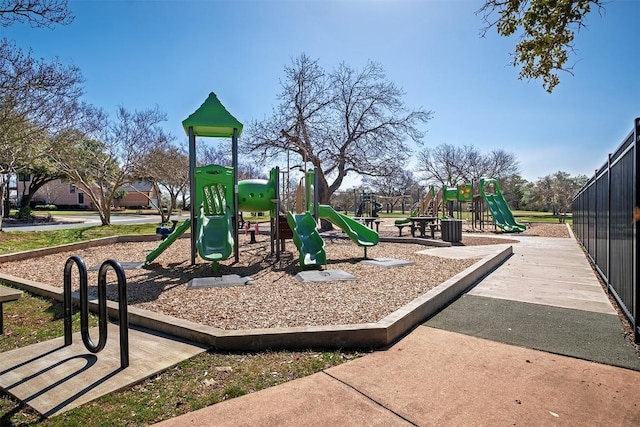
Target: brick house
[61,192]
[138,195]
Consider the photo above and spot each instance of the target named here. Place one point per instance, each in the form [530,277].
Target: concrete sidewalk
[519,348]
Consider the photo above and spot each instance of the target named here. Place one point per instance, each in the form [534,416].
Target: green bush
[45,207]
[25,213]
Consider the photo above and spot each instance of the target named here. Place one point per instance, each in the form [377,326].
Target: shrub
[45,207]
[25,213]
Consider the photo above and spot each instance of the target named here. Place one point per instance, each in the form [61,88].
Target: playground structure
[462,193]
[215,220]
[304,226]
[443,199]
[489,195]
[443,203]
[431,203]
[218,198]
[368,206]
[497,205]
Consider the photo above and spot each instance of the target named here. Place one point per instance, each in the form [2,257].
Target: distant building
[61,192]
[139,194]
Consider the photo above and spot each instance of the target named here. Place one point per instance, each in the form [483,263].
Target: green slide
[359,233]
[307,239]
[214,238]
[502,215]
[507,214]
[168,241]
[496,213]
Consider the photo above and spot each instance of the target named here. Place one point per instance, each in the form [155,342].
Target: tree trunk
[105,216]
[104,210]
[2,195]
[35,185]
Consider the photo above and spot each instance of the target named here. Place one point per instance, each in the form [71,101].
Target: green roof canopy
[212,120]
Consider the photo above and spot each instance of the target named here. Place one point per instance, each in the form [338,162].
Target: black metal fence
[603,221]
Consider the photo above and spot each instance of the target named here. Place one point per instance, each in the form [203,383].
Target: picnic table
[6,295]
[421,222]
[369,221]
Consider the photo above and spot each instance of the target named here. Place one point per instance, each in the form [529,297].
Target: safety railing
[605,222]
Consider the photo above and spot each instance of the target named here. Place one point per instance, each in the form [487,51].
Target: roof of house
[140,186]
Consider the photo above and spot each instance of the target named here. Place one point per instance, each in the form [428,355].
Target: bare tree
[29,88]
[501,164]
[218,153]
[38,13]
[442,164]
[12,153]
[548,29]
[51,193]
[344,200]
[340,122]
[474,165]
[166,167]
[450,165]
[38,100]
[103,161]
[395,188]
[497,164]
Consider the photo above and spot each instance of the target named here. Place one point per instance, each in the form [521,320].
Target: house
[58,192]
[63,193]
[139,194]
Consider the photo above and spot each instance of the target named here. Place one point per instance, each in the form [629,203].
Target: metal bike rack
[102,306]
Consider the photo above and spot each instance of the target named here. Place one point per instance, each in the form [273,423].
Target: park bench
[6,295]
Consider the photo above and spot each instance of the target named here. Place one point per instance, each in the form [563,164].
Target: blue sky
[140,54]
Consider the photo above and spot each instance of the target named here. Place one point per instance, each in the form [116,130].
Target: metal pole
[316,193]
[277,215]
[355,202]
[234,160]
[287,192]
[192,191]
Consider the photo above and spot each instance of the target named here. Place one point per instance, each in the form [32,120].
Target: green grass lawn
[543,217]
[17,241]
[33,319]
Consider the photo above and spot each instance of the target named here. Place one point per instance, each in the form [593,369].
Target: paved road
[88,220]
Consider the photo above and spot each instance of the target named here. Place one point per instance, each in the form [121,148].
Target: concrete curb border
[367,335]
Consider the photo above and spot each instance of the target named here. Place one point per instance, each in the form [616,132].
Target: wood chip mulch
[275,298]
